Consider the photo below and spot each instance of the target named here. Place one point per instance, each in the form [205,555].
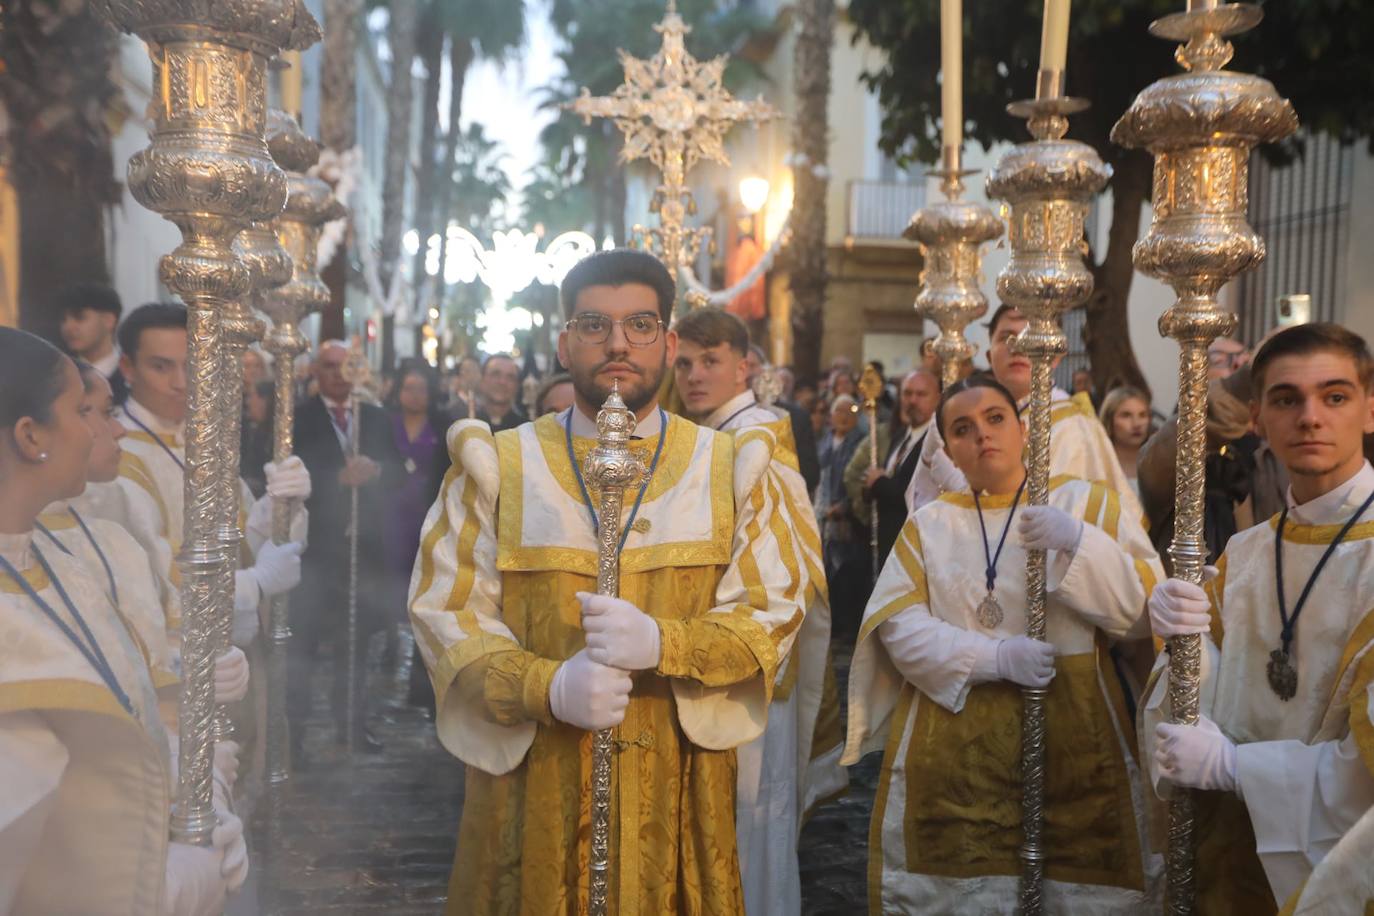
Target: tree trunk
[460,57]
[1108,332]
[339,133]
[401,35]
[431,50]
[338,76]
[810,142]
[59,102]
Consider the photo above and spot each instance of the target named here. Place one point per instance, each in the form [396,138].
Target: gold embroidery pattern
[963,780]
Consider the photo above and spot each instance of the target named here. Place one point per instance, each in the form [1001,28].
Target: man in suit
[319,610]
[887,483]
[499,387]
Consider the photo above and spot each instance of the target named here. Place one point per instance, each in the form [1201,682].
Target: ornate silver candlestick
[1049,184]
[1201,126]
[207,170]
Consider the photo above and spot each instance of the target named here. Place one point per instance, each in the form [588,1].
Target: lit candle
[1054,36]
[952,72]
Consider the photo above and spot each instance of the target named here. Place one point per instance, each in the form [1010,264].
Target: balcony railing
[882,209]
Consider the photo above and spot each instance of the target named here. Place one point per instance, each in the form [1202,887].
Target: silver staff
[1200,126]
[356,371]
[609,469]
[208,171]
[1049,184]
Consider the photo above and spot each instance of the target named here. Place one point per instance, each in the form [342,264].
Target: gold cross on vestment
[674,112]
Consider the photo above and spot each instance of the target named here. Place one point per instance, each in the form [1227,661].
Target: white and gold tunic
[795,763]
[946,820]
[85,798]
[504,550]
[1305,767]
[113,558]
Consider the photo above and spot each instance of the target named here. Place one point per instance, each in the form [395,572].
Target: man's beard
[637,393]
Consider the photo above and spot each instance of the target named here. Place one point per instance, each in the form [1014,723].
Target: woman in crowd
[83,756]
[938,670]
[555,395]
[843,537]
[259,402]
[1126,415]
[418,429]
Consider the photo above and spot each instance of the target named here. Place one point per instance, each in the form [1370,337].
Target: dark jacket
[890,494]
[805,438]
[330,503]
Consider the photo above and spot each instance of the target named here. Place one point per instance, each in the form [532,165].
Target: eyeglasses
[593,328]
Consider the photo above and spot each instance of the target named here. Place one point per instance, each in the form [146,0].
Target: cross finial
[674,111]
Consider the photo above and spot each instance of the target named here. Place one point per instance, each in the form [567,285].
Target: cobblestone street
[376,834]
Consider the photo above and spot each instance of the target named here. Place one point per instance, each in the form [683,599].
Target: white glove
[1197,756]
[194,885]
[1177,608]
[227,838]
[226,763]
[1049,528]
[288,480]
[1025,661]
[278,567]
[587,695]
[231,676]
[618,633]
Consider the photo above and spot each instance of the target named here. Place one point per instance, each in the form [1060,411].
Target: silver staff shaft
[355,451]
[610,468]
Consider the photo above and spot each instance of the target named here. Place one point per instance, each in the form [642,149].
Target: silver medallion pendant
[1283,677]
[989,612]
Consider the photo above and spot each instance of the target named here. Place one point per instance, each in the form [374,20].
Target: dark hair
[1002,311]
[549,384]
[426,372]
[147,317]
[710,327]
[976,380]
[31,371]
[94,296]
[619,267]
[1305,339]
[89,373]
[487,362]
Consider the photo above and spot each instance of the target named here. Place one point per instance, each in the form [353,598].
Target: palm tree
[810,137]
[472,29]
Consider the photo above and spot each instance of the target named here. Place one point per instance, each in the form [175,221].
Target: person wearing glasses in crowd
[526,659]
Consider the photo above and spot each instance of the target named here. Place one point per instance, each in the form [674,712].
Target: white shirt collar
[151,420]
[729,409]
[1334,507]
[108,363]
[334,405]
[585,426]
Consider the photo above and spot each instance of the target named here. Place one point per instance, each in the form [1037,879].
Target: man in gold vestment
[526,663]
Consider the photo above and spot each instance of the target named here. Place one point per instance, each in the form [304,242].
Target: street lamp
[753,193]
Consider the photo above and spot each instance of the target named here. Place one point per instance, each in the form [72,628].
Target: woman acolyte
[938,671]
[84,759]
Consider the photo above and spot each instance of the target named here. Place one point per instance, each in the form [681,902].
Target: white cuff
[247,594]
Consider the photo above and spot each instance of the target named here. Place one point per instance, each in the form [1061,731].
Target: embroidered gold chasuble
[1305,767]
[945,832]
[504,550]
